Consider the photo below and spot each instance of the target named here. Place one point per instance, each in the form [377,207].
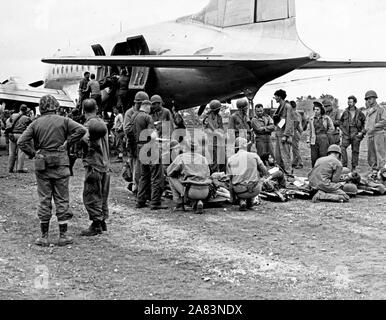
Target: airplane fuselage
[273,49]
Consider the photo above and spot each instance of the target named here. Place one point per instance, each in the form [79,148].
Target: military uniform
[334,136]
[376,132]
[283,149]
[214,129]
[298,130]
[262,128]
[320,128]
[151,178]
[97,179]
[324,180]
[350,127]
[48,134]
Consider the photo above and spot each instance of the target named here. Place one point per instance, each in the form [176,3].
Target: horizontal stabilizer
[343,64]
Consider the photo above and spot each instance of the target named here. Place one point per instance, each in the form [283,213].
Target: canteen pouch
[40,164]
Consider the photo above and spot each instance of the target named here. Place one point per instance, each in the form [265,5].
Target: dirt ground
[295,250]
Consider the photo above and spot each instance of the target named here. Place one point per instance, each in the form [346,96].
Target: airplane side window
[72,69]
[77,68]
[62,71]
[67,69]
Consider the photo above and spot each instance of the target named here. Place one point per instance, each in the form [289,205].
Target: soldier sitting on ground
[325,177]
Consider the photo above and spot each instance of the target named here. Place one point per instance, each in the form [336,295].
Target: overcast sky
[339,29]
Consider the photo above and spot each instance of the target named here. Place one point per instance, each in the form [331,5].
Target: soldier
[214,130]
[325,177]
[162,117]
[51,134]
[151,169]
[189,178]
[284,122]
[352,126]
[17,124]
[334,137]
[297,161]
[128,123]
[375,129]
[321,127]
[118,132]
[239,121]
[83,93]
[123,90]
[262,125]
[96,162]
[245,170]
[94,88]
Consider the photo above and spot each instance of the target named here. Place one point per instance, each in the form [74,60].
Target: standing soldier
[284,122]
[214,129]
[128,124]
[151,170]
[94,88]
[239,121]
[96,162]
[375,128]
[123,90]
[262,126]
[333,137]
[118,132]
[83,93]
[17,124]
[321,127]
[352,126]
[297,161]
[162,117]
[51,134]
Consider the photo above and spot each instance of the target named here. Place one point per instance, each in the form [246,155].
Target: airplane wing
[33,95]
[320,64]
[165,61]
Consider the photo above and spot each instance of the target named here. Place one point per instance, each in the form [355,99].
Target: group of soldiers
[164,155]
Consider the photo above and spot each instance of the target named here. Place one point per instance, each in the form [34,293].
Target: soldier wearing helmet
[214,131]
[96,162]
[128,122]
[51,135]
[284,124]
[325,177]
[375,129]
[162,117]
[334,137]
[240,122]
[352,126]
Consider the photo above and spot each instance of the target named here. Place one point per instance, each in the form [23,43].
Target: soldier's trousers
[96,193]
[319,149]
[333,196]
[150,183]
[15,154]
[355,142]
[296,157]
[53,184]
[376,154]
[263,144]
[283,153]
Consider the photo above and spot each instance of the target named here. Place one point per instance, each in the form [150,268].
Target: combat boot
[93,230]
[243,205]
[199,207]
[43,241]
[104,225]
[63,238]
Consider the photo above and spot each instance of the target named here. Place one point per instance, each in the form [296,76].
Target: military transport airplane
[229,49]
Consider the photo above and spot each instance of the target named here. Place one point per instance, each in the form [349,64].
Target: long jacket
[359,121]
[326,174]
[334,116]
[375,120]
[327,123]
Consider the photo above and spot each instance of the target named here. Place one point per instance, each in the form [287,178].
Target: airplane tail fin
[229,13]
